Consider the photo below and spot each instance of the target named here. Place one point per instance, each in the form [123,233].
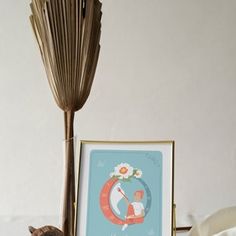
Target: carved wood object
[45,231]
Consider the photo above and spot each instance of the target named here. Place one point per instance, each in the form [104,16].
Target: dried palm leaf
[68,35]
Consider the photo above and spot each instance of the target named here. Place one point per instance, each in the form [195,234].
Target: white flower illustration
[124,171]
[138,174]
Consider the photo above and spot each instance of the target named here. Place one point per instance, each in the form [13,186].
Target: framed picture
[125,189]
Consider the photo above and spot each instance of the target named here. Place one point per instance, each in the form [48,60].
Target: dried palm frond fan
[68,35]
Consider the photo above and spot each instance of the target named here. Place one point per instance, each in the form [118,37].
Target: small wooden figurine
[45,231]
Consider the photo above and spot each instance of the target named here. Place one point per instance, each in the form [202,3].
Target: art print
[124,192]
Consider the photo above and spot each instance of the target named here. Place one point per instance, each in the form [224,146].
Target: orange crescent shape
[105,202]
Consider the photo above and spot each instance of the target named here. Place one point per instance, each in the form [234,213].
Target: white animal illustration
[117,193]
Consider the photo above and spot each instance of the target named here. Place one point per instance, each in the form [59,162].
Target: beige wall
[167,70]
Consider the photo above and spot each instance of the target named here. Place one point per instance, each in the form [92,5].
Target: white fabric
[217,223]
[138,208]
[229,232]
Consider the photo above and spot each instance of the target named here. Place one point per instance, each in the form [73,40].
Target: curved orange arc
[105,202]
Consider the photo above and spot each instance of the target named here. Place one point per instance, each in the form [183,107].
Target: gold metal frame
[174,220]
[172,142]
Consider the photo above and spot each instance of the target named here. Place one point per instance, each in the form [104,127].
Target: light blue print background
[102,163]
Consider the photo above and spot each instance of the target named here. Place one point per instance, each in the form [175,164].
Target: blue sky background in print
[102,163]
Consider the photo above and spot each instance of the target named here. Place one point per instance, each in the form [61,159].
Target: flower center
[123,170]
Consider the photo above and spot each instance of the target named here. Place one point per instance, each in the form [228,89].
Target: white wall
[167,70]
